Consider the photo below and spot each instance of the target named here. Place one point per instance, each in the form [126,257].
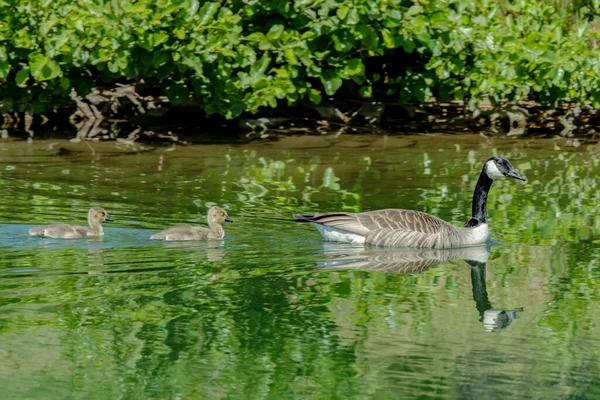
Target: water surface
[271,311]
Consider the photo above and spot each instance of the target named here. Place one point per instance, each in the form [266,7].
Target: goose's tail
[304,217]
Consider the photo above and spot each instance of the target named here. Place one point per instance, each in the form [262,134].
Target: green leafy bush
[239,56]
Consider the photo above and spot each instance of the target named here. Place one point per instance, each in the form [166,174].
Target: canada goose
[215,216]
[408,228]
[96,216]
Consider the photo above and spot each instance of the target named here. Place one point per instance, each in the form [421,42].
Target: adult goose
[96,215]
[408,228]
[215,216]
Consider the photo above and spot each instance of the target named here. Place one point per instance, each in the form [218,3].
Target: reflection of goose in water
[213,253]
[416,261]
[493,320]
[403,261]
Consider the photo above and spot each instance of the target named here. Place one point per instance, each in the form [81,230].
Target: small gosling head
[500,167]
[217,214]
[99,214]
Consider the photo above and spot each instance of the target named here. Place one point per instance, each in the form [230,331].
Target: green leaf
[43,68]
[207,12]
[421,92]
[459,93]
[415,9]
[408,44]
[442,72]
[179,33]
[290,57]
[112,67]
[331,81]
[177,93]
[343,41]
[342,12]
[353,17]
[256,37]
[370,39]
[388,39]
[365,91]
[314,96]
[159,38]
[65,84]
[258,69]
[439,20]
[271,100]
[94,7]
[22,76]
[393,18]
[160,58]
[275,32]
[4,69]
[355,67]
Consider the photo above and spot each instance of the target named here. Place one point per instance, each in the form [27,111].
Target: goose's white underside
[337,235]
[467,237]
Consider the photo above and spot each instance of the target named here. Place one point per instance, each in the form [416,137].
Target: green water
[272,312]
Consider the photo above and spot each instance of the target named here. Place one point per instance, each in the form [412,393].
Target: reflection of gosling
[216,215]
[96,216]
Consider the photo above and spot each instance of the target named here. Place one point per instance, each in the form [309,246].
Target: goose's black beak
[512,173]
[107,218]
[228,219]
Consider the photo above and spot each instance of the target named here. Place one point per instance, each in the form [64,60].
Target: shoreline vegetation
[180,70]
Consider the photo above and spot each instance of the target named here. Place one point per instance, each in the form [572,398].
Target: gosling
[215,216]
[96,216]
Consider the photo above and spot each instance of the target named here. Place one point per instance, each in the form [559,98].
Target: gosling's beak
[228,219]
[512,173]
[107,218]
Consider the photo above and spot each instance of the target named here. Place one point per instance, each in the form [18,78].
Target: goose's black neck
[484,183]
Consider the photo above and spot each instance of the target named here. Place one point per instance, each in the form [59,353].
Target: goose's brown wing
[392,227]
[365,222]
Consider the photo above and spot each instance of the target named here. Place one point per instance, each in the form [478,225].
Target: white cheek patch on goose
[492,171]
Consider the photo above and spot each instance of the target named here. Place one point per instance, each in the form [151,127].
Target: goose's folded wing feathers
[406,220]
[343,221]
[392,219]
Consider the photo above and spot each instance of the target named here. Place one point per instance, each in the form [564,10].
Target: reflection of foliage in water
[287,183]
[278,331]
[256,318]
